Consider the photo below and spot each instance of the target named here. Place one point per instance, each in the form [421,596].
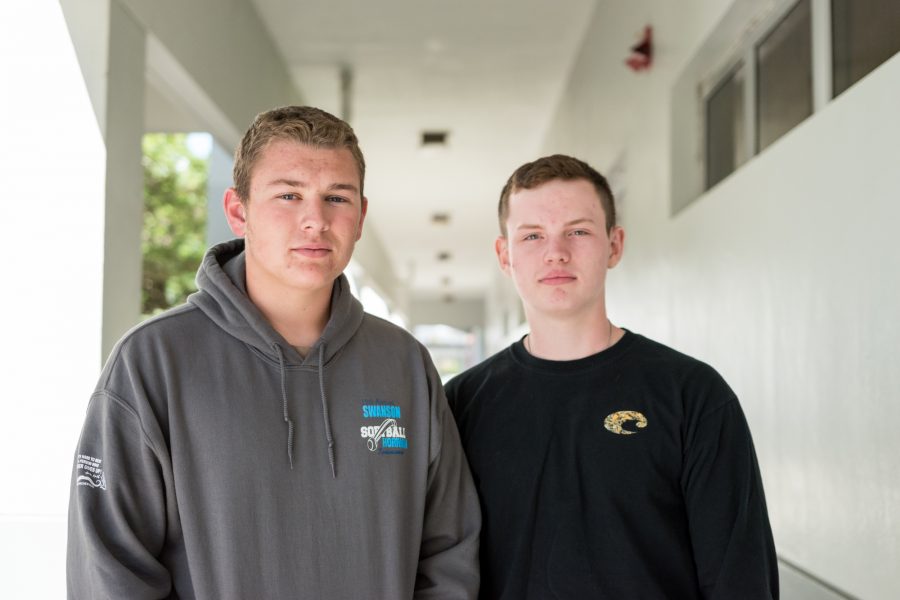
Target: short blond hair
[302,124]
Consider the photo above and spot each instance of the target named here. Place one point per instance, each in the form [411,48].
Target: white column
[821,53]
[124,176]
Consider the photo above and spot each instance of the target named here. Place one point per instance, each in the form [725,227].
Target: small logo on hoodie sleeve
[383,429]
[89,472]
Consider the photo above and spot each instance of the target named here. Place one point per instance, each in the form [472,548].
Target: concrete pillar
[124,176]
[111,49]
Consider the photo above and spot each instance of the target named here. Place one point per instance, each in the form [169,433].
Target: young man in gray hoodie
[269,439]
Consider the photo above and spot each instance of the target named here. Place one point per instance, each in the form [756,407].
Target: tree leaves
[174,234]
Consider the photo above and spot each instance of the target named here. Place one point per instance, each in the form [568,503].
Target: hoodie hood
[222,296]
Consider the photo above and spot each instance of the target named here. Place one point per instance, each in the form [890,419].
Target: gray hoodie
[215,462]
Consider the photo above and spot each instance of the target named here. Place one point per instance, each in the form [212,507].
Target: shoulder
[695,383]
[462,388]
[171,332]
[391,341]
[650,350]
[179,323]
[384,329]
[489,367]
[668,360]
[145,361]
[387,335]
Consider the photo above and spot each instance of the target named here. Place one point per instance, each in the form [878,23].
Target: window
[864,34]
[784,76]
[763,71]
[725,136]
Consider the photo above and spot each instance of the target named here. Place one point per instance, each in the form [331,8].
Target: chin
[311,282]
[559,309]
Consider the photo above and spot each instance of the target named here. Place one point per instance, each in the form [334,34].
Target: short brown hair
[549,168]
[302,124]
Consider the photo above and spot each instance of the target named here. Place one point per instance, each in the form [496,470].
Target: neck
[569,339]
[300,318]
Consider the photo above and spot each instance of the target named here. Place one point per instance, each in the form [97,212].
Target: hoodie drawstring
[284,403]
[328,436]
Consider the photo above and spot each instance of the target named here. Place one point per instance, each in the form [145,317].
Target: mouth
[557,278]
[312,251]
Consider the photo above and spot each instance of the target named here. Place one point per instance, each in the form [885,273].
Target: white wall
[52,164]
[786,277]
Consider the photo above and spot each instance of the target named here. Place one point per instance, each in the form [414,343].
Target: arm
[448,559]
[729,523]
[117,509]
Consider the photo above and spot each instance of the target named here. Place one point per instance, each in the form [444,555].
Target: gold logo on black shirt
[615,421]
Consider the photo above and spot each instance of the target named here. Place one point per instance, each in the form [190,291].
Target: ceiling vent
[443,256]
[434,138]
[440,218]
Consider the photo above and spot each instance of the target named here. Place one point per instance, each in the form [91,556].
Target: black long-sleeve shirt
[629,474]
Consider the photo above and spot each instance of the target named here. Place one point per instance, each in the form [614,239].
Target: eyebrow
[301,184]
[343,186]
[568,224]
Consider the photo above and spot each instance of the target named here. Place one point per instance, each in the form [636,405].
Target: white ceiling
[488,71]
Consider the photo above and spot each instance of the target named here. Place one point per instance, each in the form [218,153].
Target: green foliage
[174,235]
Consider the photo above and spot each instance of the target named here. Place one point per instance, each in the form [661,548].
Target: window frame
[746,52]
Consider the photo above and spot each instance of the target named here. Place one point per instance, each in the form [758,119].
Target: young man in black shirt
[608,465]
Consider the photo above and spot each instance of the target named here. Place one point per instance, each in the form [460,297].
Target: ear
[235,212]
[362,216]
[501,248]
[616,246]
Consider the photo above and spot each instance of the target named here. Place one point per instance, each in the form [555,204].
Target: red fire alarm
[642,53]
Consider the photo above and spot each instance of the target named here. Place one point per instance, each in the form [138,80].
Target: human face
[301,221]
[557,249]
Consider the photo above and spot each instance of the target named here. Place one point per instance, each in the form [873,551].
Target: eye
[531,236]
[288,196]
[336,199]
[581,232]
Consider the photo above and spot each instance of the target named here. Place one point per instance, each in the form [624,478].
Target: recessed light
[443,255]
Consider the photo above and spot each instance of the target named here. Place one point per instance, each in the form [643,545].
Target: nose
[557,251]
[313,216]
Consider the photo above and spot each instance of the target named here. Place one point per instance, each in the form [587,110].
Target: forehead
[557,199]
[282,157]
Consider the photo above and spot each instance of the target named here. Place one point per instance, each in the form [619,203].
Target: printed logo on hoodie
[89,472]
[383,432]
